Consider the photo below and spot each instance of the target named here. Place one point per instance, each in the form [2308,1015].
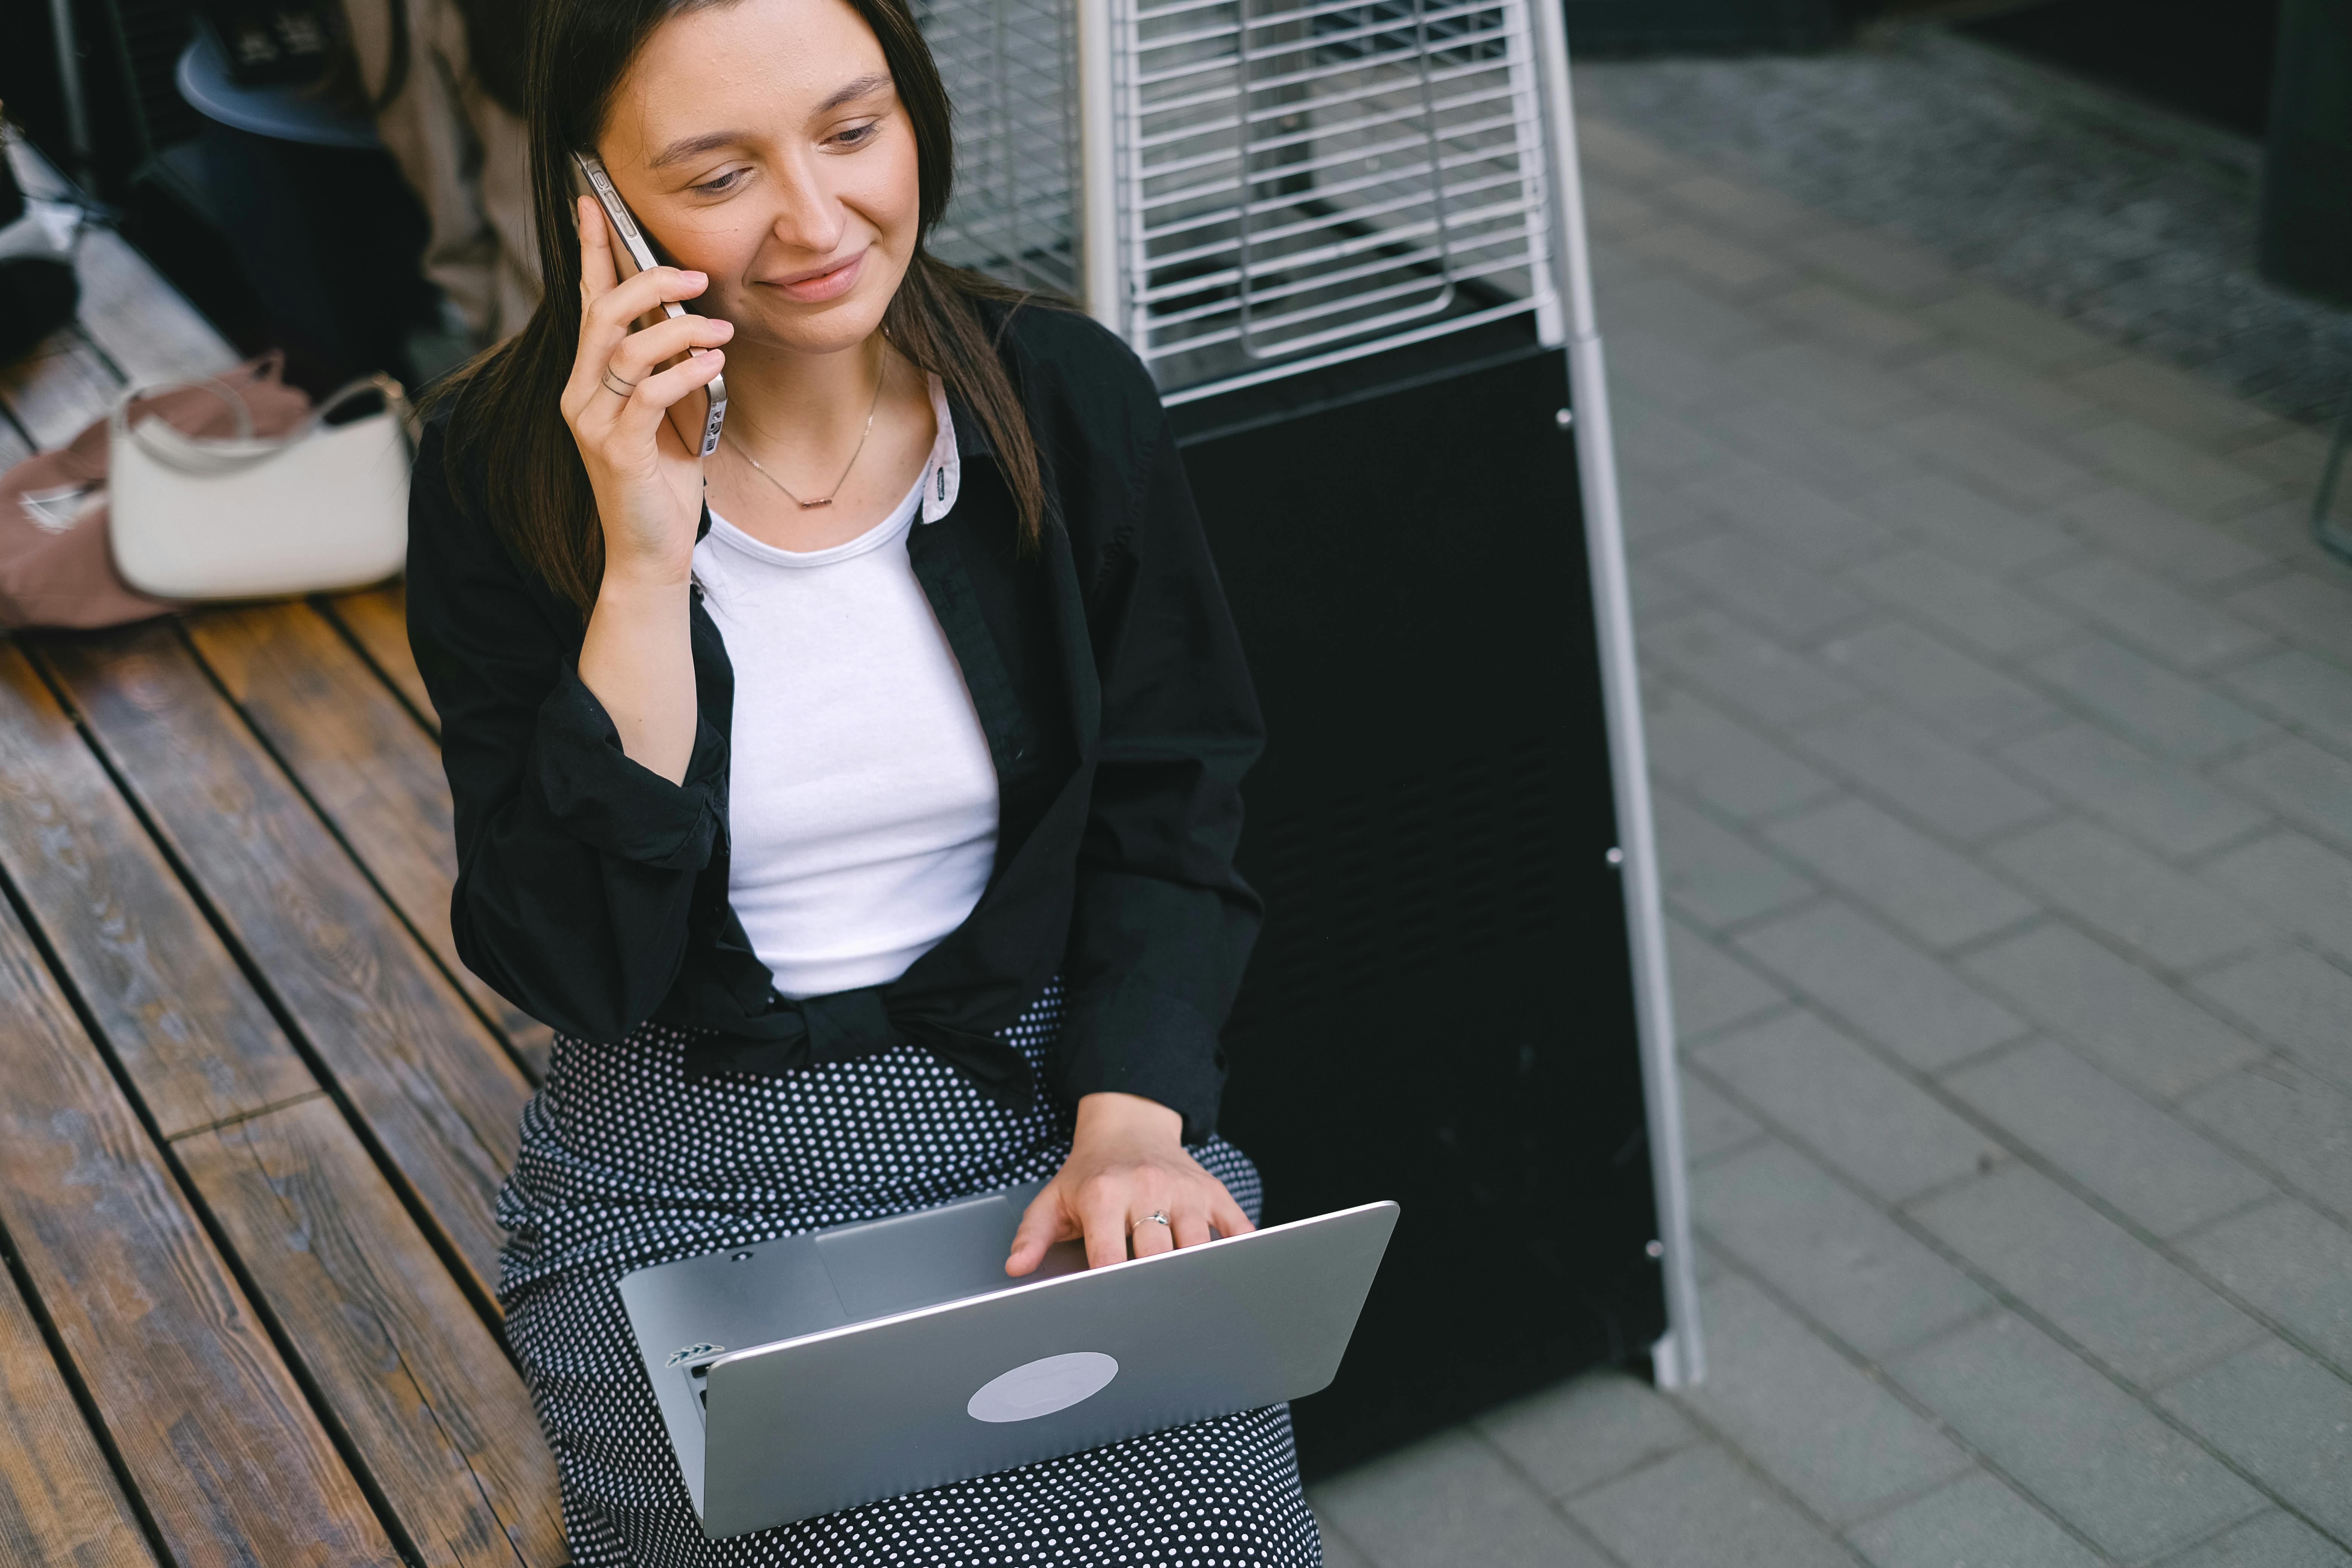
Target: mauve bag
[55,566]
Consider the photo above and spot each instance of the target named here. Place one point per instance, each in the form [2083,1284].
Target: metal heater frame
[1101,264]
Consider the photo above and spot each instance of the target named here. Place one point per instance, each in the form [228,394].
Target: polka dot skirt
[626,1163]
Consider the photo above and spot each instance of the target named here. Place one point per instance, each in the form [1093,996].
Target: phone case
[591,178]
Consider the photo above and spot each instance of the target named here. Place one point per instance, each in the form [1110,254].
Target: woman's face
[762,141]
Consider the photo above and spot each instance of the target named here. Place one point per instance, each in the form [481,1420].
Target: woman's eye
[720,186]
[857,135]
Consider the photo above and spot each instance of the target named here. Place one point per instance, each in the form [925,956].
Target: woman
[865,835]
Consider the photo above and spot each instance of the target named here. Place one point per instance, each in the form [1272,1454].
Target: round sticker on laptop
[1043,1386]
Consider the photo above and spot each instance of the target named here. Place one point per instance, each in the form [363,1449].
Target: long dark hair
[507,416]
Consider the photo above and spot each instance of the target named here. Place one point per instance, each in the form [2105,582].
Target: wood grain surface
[430,1405]
[212,1431]
[60,1501]
[375,775]
[196,1042]
[438,1090]
[377,619]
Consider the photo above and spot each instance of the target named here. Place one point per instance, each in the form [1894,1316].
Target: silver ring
[1156,1216]
[618,386]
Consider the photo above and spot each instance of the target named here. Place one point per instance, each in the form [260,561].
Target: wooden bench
[256,1112]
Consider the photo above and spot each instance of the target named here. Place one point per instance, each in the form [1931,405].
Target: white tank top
[861,801]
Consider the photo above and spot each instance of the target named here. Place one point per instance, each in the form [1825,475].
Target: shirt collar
[943,471]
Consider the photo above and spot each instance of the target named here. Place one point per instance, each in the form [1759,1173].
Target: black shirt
[592,892]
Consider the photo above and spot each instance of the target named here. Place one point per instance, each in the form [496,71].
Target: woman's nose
[807,217]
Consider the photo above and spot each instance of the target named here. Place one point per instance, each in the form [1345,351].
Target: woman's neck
[805,406]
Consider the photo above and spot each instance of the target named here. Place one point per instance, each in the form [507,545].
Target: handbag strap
[201,457]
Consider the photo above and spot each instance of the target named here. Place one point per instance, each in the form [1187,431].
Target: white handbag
[246,517]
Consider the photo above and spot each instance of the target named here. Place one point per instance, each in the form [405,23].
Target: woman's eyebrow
[849,91]
[694,146]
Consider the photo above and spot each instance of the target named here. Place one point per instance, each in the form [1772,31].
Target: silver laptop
[839,1367]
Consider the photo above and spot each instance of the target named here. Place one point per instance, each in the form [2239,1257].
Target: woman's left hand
[1127,1162]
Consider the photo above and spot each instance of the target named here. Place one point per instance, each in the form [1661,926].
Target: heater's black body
[1439,1009]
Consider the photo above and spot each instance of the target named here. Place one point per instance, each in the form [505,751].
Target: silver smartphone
[590,178]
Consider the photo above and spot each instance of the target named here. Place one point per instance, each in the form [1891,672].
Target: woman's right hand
[648,477]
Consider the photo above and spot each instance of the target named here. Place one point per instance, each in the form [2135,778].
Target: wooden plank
[425,1396]
[60,1501]
[212,1431]
[377,619]
[190,1034]
[375,775]
[435,1088]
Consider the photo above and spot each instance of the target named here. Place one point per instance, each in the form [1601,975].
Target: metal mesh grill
[1011,71]
[1305,179]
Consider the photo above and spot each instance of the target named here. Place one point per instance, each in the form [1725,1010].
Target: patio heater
[1346,239]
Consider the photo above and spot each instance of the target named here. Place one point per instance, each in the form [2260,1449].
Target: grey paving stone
[2129,1021]
[1615,214]
[1735,666]
[2153,616]
[2173,401]
[1712,990]
[1937,683]
[1805,1415]
[1656,597]
[2296,880]
[1993,459]
[1912,1004]
[1785,513]
[1921,775]
[1723,762]
[2017,331]
[2273,1539]
[1667,309]
[2280,1116]
[1697,1509]
[1710,260]
[1337,1550]
[1939,897]
[1672,374]
[1847,321]
[2168,468]
[2147,1163]
[1594,1429]
[2162,804]
[1756,583]
[2297,1001]
[2088,1451]
[1848,1267]
[1978,608]
[2104,1288]
[2153,535]
[1743,204]
[1657,518]
[2302,783]
[2147,703]
[2121,890]
[1965,523]
[1655,442]
[1853,1110]
[1835,386]
[1445,1500]
[2284,1417]
[2306,610]
[1999,389]
[1823,451]
[1714,877]
[1614,151]
[1712,1125]
[1879,263]
[2302,690]
[2294,1264]
[1975,1522]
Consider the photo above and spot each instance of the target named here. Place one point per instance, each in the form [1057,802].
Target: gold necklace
[879,382]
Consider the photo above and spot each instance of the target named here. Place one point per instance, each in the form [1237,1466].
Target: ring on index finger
[619,386]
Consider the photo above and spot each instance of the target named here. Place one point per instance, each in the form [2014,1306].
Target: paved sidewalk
[2001,733]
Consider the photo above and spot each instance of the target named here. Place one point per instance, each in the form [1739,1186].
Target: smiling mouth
[824,285]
